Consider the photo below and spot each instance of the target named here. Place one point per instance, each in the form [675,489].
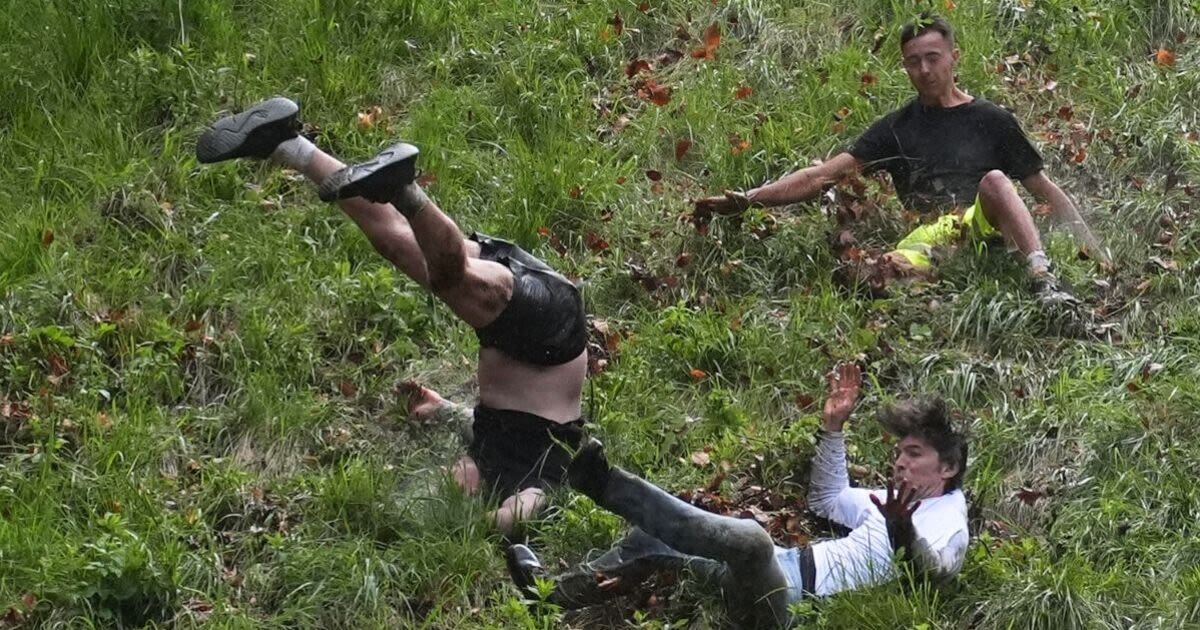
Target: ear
[954,54]
[947,471]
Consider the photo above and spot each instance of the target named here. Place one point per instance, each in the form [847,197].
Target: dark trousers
[733,554]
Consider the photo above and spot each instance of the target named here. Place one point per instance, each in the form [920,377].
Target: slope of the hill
[197,417]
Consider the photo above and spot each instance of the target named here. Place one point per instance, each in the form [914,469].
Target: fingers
[877,502]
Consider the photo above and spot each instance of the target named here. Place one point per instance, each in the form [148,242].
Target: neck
[951,97]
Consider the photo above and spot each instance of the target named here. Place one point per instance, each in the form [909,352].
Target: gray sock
[410,200]
[295,153]
[1038,262]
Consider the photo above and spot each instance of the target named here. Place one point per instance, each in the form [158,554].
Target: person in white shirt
[921,517]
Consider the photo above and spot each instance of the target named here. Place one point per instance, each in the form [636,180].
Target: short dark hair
[928,420]
[925,23]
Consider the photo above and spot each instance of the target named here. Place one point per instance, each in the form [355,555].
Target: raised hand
[897,509]
[844,380]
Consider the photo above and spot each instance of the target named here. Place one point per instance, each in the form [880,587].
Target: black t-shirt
[938,155]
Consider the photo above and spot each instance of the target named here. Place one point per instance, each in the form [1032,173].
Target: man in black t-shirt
[946,152]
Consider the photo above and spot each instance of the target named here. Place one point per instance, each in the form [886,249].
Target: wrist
[834,427]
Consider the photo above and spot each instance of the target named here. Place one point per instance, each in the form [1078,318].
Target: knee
[447,272]
[754,542]
[995,184]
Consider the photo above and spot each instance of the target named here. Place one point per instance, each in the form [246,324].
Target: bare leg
[1003,208]
[385,228]
[476,290]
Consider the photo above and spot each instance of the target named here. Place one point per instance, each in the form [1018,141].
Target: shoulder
[983,107]
[904,112]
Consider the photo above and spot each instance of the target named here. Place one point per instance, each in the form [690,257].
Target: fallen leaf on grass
[636,66]
[742,92]
[653,175]
[367,119]
[643,6]
[618,24]
[697,374]
[738,144]
[681,148]
[348,389]
[426,179]
[712,39]
[1079,156]
[1066,112]
[575,191]
[1164,264]
[47,237]
[683,260]
[1164,58]
[1029,496]
[595,242]
[655,93]
[701,458]
[58,365]
[6,340]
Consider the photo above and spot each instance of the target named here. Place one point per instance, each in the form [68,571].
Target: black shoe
[524,567]
[588,471]
[1052,293]
[252,133]
[378,180]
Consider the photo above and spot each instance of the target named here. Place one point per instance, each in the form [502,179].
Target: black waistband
[808,571]
[513,420]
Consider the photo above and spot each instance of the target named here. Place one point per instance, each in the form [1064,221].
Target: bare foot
[423,403]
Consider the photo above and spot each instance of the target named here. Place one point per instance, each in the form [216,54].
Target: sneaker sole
[378,179]
[252,133]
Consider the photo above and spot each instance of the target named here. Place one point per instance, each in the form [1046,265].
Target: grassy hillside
[197,417]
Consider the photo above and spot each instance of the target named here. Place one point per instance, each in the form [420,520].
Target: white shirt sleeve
[829,493]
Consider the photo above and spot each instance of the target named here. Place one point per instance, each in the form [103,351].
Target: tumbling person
[925,516]
[529,319]
[948,153]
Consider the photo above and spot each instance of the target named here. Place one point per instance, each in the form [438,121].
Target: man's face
[918,464]
[929,61]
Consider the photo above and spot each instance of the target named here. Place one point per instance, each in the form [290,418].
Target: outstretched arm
[801,185]
[1065,213]
[829,478]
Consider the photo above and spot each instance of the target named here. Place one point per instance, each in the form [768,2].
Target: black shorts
[543,323]
[515,450]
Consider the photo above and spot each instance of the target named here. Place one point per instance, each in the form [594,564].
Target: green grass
[196,364]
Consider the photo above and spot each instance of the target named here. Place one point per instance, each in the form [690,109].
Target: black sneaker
[588,471]
[252,133]
[524,567]
[380,179]
[1051,293]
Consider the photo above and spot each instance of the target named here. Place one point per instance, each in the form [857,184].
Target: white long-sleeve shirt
[864,557]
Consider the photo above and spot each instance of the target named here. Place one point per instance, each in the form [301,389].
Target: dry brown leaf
[1164,58]
[681,148]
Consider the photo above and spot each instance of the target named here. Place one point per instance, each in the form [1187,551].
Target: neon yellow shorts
[947,230]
